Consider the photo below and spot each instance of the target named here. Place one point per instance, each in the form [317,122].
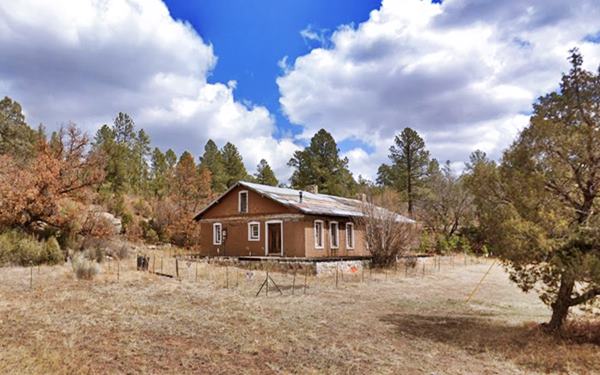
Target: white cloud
[464,74]
[86,60]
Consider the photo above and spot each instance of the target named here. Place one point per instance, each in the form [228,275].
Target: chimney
[300,196]
[312,189]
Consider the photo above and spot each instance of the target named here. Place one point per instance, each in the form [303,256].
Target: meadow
[211,321]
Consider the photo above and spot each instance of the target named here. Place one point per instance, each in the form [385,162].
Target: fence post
[305,279]
[177,268]
[267,281]
[423,268]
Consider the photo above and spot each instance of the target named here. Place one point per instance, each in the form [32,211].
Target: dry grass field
[390,323]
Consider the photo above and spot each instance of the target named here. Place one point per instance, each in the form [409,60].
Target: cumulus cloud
[86,60]
[463,73]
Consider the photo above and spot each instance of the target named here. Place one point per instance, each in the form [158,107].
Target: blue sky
[463,73]
[251,37]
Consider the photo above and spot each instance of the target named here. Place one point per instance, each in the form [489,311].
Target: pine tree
[124,129]
[233,165]
[139,166]
[170,159]
[264,174]
[159,173]
[116,168]
[320,164]
[410,163]
[16,137]
[213,161]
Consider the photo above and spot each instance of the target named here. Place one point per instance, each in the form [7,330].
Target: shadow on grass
[525,345]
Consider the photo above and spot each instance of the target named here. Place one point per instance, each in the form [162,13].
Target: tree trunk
[560,307]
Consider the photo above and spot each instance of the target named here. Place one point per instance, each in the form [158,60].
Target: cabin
[258,220]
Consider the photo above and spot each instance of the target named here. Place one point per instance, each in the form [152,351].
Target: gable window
[334,234]
[254,231]
[243,201]
[217,234]
[318,234]
[350,235]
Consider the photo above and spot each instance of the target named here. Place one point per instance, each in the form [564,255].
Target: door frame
[267,234]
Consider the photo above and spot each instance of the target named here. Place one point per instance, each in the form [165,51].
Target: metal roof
[312,204]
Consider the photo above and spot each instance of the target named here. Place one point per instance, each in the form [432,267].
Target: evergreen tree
[170,159]
[16,137]
[124,129]
[139,165]
[233,165]
[116,168]
[159,173]
[213,161]
[410,164]
[320,164]
[264,174]
[543,201]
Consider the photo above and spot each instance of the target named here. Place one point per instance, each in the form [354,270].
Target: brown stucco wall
[257,204]
[298,229]
[260,209]
[237,244]
[309,235]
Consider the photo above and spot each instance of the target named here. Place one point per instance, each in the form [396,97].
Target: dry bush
[84,268]
[387,235]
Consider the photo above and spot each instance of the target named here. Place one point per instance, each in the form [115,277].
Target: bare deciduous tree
[387,234]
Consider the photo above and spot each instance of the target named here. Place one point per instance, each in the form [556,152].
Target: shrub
[52,252]
[22,249]
[84,268]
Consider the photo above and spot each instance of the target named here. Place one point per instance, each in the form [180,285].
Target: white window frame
[240,201]
[337,234]
[350,230]
[250,224]
[322,234]
[217,241]
[267,234]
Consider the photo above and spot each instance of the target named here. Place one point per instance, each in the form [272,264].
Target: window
[243,201]
[318,234]
[350,236]
[254,231]
[217,233]
[334,234]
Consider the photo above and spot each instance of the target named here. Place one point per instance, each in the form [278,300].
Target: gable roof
[312,204]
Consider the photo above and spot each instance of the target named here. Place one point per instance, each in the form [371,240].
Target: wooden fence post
[177,268]
[305,279]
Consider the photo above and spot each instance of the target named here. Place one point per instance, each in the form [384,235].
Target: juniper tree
[544,197]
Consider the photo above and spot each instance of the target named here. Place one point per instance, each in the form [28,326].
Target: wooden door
[274,243]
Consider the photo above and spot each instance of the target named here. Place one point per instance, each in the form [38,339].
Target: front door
[274,238]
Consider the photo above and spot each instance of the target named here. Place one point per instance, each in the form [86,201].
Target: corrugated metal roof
[312,204]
